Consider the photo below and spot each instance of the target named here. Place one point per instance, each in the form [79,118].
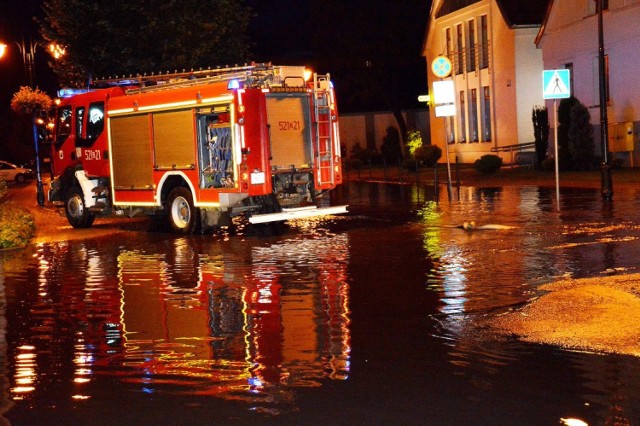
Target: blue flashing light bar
[233,84]
[68,92]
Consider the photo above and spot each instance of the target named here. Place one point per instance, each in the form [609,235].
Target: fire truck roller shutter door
[173,140]
[290,123]
[131,156]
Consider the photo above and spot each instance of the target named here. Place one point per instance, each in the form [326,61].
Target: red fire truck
[199,147]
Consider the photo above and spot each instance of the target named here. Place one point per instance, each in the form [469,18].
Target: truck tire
[181,214]
[77,212]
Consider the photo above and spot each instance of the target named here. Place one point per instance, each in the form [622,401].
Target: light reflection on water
[181,316]
[256,319]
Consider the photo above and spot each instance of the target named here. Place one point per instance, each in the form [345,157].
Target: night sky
[288,32]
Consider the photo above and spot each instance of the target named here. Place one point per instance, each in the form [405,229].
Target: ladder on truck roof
[253,75]
[323,130]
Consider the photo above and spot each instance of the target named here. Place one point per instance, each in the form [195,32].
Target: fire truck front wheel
[77,212]
[181,214]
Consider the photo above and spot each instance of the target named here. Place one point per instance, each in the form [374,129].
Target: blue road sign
[441,67]
[556,84]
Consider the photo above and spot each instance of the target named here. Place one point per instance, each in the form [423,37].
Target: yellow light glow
[56,50]
[23,389]
[80,397]
[573,422]
[3,48]
[307,74]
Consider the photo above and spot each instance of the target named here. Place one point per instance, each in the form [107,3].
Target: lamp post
[606,182]
[28,52]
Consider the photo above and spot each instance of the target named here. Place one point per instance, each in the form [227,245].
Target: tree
[540,119]
[581,138]
[390,147]
[121,37]
[564,123]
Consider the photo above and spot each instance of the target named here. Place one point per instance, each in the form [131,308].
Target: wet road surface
[376,317]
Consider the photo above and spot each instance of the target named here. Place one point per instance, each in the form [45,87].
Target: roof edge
[543,27]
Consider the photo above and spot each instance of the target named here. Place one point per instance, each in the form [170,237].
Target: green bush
[488,164]
[427,155]
[409,164]
[548,164]
[16,227]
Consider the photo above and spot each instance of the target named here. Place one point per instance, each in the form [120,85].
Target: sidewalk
[466,175]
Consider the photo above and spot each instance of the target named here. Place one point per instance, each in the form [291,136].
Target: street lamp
[28,52]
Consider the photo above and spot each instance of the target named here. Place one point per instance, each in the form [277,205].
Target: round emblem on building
[441,67]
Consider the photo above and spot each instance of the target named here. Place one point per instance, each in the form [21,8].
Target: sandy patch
[597,314]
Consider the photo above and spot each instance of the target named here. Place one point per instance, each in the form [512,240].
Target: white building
[569,39]
[496,70]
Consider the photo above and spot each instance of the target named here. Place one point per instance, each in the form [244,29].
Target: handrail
[518,147]
[514,147]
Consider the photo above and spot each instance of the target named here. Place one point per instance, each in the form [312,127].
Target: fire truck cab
[199,147]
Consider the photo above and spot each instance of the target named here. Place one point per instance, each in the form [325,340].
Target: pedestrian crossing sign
[556,84]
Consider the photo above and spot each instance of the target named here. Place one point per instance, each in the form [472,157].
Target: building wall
[572,38]
[529,67]
[513,78]
[368,129]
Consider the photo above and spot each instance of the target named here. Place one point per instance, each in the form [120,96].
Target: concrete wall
[368,129]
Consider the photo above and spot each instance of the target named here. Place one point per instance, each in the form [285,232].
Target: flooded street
[375,317]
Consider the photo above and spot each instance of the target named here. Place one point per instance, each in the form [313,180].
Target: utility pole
[606,182]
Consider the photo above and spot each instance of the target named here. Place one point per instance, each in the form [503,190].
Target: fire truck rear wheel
[77,212]
[181,214]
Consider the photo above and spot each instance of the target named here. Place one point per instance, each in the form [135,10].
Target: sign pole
[556,84]
[444,102]
[555,138]
[606,183]
[446,147]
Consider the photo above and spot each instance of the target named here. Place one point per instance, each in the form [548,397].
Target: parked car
[11,172]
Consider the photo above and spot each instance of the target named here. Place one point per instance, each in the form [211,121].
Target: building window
[451,134]
[486,114]
[471,45]
[484,42]
[447,33]
[463,119]
[569,66]
[460,50]
[592,6]
[473,115]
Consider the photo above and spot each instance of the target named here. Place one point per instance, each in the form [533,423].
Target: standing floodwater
[375,317]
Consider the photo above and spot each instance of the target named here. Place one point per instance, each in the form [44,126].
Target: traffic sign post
[556,84]
[444,97]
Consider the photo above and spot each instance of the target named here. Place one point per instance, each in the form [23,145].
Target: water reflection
[181,315]
[378,312]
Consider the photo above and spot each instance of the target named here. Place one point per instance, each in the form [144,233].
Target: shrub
[548,164]
[409,164]
[427,155]
[16,227]
[488,163]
